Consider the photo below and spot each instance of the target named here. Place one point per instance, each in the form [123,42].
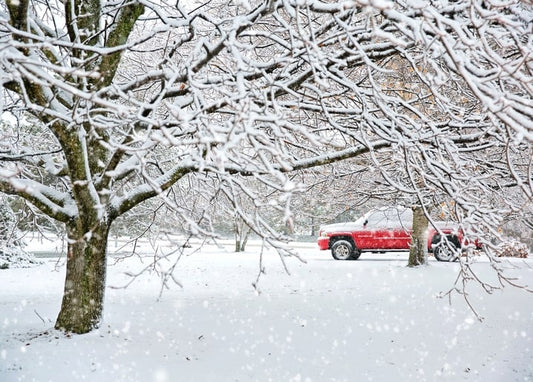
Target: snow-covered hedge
[16,257]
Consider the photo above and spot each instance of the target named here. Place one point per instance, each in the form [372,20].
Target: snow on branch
[140,96]
[58,205]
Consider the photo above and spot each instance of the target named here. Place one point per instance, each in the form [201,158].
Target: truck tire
[344,250]
[447,249]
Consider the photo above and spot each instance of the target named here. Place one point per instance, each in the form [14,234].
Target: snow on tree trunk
[242,231]
[83,297]
[238,245]
[241,241]
[418,253]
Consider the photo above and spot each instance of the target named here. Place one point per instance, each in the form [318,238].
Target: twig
[38,315]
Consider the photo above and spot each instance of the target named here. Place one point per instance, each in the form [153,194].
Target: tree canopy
[112,103]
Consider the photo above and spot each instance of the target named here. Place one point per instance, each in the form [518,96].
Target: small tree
[12,251]
[242,233]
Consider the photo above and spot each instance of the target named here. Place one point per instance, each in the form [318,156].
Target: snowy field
[368,320]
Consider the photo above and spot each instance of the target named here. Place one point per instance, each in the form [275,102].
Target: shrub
[512,248]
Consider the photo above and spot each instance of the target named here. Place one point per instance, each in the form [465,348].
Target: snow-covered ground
[368,320]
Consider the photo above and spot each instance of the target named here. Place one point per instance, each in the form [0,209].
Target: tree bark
[242,232]
[83,297]
[241,237]
[245,240]
[237,244]
[418,252]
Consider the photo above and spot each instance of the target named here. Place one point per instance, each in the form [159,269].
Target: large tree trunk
[83,296]
[418,253]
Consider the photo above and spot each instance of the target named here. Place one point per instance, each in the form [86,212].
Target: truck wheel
[344,250]
[447,250]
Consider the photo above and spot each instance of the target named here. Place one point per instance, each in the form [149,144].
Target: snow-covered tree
[8,239]
[131,100]
[12,251]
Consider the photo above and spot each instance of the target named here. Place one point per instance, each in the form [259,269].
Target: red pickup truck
[387,229]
